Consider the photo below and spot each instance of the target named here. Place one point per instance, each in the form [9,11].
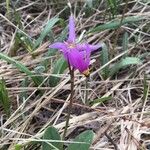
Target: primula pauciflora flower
[77,55]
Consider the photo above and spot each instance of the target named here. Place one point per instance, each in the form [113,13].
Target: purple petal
[60,46]
[77,60]
[72,35]
[85,50]
[88,53]
[57,45]
[94,47]
[83,46]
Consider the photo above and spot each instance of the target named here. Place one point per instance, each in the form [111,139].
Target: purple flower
[77,55]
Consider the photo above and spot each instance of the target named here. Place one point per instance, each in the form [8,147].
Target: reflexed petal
[72,35]
[76,59]
[86,52]
[94,47]
[83,46]
[58,45]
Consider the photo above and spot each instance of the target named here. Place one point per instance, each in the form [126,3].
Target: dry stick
[112,142]
[71,99]
[137,143]
[102,130]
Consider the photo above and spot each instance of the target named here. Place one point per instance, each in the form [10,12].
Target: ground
[113,102]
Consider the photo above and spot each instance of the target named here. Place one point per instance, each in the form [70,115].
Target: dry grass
[122,121]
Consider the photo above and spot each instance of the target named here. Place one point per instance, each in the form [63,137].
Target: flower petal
[94,47]
[83,46]
[86,52]
[72,35]
[57,45]
[77,60]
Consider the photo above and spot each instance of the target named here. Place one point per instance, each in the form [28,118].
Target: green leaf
[63,35]
[39,69]
[23,94]
[17,18]
[46,31]
[113,6]
[86,137]
[89,3]
[100,100]
[124,63]
[22,68]
[18,147]
[4,98]
[21,40]
[144,55]
[58,68]
[104,59]
[125,42]
[8,6]
[51,133]
[115,24]
[25,41]
[145,89]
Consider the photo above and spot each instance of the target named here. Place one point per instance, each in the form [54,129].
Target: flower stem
[71,99]
[86,91]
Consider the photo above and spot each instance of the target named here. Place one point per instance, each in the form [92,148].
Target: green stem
[71,100]
[8,6]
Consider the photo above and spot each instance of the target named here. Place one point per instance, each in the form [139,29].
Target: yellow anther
[86,72]
[71,45]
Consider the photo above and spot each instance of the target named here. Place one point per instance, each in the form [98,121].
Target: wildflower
[77,55]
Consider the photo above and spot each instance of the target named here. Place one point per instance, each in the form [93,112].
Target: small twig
[112,142]
[71,99]
[137,143]
[101,132]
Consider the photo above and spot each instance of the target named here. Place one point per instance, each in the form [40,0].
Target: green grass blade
[22,68]
[4,98]
[89,3]
[124,63]
[145,90]
[46,31]
[25,41]
[100,100]
[60,66]
[23,94]
[8,6]
[144,55]
[104,59]
[125,41]
[113,6]
[63,35]
[115,24]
